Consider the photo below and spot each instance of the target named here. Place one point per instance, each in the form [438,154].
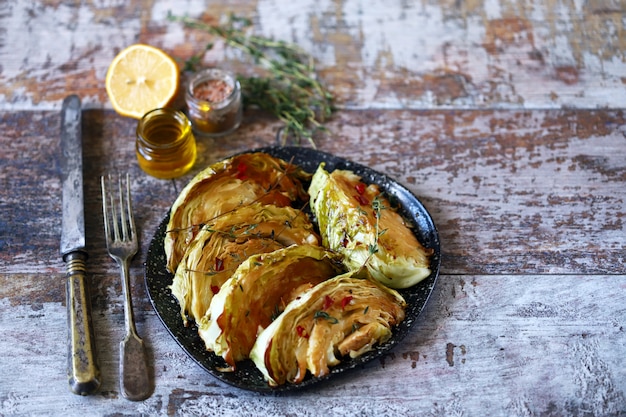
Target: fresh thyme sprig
[378,205]
[291,92]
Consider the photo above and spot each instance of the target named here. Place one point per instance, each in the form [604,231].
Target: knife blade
[82,368]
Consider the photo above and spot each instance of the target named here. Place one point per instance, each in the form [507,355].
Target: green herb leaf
[324,315]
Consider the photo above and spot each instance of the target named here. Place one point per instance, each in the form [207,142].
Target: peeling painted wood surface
[547,184]
[375,53]
[530,350]
[529,307]
[506,119]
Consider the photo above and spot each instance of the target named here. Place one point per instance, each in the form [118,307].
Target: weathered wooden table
[507,119]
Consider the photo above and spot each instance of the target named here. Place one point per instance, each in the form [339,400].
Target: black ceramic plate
[246,375]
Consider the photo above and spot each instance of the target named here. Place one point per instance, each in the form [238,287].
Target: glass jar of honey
[213,100]
[165,145]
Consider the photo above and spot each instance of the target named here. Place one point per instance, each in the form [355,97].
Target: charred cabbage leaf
[357,221]
[225,185]
[258,292]
[343,316]
[227,241]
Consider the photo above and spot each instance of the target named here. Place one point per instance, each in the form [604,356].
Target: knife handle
[83,371]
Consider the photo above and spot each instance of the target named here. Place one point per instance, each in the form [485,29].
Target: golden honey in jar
[165,145]
[213,99]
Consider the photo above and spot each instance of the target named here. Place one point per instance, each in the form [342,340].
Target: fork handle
[83,371]
[134,373]
[134,369]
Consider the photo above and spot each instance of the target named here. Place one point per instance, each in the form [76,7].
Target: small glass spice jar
[165,145]
[213,99]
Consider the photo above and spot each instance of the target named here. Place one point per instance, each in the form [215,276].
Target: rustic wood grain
[509,344]
[506,119]
[520,198]
[549,184]
[374,54]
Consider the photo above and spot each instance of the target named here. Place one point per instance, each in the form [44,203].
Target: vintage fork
[122,244]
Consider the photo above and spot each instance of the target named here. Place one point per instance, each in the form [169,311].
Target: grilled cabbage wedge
[227,241]
[357,221]
[259,291]
[225,185]
[343,316]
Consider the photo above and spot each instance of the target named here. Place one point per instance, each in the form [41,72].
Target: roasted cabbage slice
[338,317]
[225,185]
[357,221]
[224,243]
[259,291]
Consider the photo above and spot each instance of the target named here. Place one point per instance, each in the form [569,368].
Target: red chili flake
[360,188]
[219,264]
[345,301]
[345,242]
[328,301]
[215,289]
[362,200]
[302,332]
[241,171]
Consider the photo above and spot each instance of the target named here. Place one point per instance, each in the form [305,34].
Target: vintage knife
[83,371]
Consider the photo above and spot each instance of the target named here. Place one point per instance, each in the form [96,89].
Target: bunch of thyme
[291,91]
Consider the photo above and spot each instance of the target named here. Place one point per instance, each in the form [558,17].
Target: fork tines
[117,226]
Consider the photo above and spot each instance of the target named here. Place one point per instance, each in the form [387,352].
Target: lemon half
[141,78]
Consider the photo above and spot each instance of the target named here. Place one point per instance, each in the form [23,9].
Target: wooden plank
[502,345]
[506,119]
[419,55]
[511,192]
